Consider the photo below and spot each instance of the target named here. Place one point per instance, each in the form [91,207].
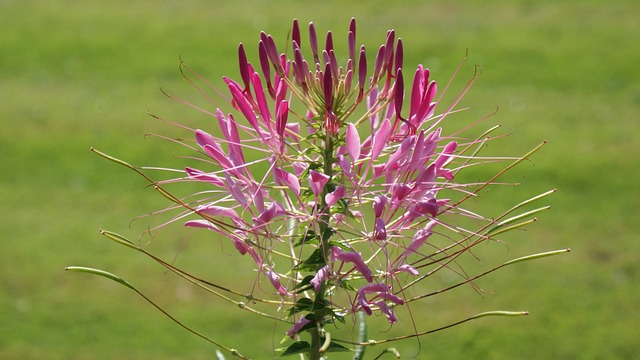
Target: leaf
[304,304]
[313,263]
[334,347]
[297,348]
[306,282]
[309,237]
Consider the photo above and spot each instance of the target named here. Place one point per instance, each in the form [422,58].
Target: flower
[396,169]
[335,194]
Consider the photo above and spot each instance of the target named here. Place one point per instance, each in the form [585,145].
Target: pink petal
[317,181]
[380,138]
[352,139]
[214,210]
[446,154]
[202,176]
[333,197]
[386,311]
[379,203]
[418,239]
[275,281]
[274,210]
[355,258]
[203,138]
[284,178]
[380,230]
[201,224]
[408,269]
[297,326]
[320,277]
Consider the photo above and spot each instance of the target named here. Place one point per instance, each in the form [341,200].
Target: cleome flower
[337,147]
[338,181]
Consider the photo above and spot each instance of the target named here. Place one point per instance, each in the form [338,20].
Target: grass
[79,74]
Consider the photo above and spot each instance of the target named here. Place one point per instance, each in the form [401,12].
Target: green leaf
[345,285]
[309,237]
[305,282]
[313,263]
[334,347]
[297,348]
[328,233]
[304,304]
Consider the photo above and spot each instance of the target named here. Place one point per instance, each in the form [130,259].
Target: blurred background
[76,74]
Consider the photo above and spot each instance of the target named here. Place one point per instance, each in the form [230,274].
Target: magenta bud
[282,113]
[244,66]
[313,41]
[352,26]
[272,53]
[388,55]
[352,45]
[362,68]
[266,68]
[329,44]
[377,66]
[295,33]
[399,93]
[399,55]
[328,86]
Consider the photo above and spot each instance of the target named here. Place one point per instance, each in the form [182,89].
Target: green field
[76,74]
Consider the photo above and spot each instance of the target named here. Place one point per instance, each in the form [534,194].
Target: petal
[380,138]
[196,174]
[274,210]
[293,330]
[320,277]
[214,210]
[380,230]
[317,181]
[284,178]
[408,269]
[275,281]
[355,258]
[418,239]
[333,197]
[379,203]
[386,311]
[352,140]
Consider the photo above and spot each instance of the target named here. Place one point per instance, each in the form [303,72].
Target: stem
[315,353]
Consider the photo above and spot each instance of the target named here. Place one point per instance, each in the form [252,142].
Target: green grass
[77,74]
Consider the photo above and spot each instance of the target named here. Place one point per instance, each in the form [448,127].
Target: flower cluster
[330,184]
[321,173]
[348,173]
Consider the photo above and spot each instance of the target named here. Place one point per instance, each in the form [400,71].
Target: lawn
[77,74]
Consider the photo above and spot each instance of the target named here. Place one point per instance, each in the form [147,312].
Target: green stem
[315,352]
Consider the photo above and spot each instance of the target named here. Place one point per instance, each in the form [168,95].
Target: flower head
[335,178]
